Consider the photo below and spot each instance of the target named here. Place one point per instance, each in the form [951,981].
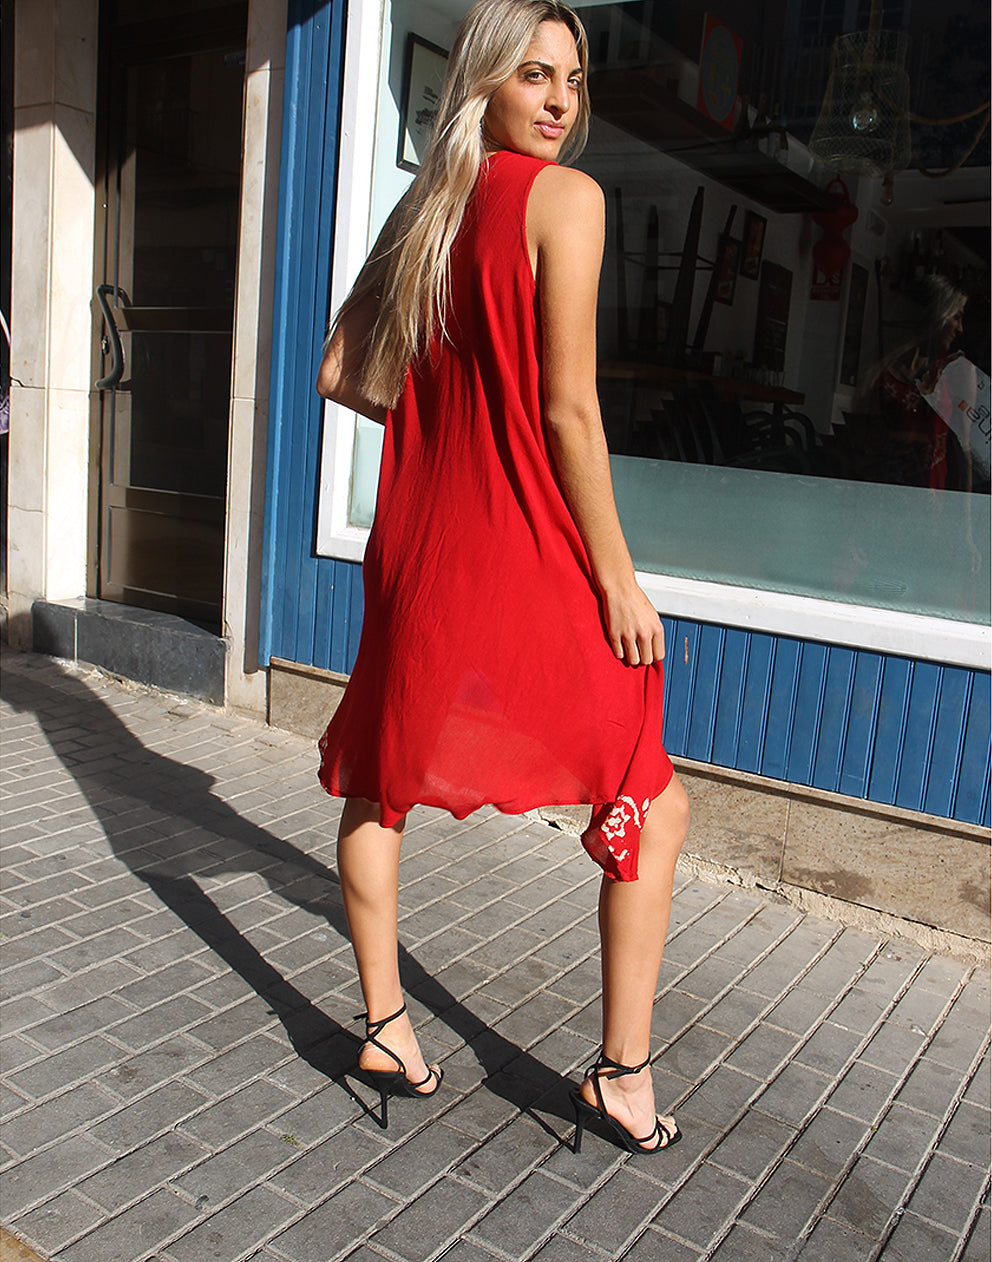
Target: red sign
[719,70]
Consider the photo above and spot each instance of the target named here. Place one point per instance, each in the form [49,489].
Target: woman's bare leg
[368,868]
[633,923]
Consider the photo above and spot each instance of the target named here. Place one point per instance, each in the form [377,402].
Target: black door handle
[112,379]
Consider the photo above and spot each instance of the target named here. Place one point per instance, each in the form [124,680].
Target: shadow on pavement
[136,794]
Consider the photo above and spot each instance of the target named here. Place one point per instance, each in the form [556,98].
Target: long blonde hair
[409,265]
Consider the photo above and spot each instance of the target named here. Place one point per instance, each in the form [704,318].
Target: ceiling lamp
[863,127]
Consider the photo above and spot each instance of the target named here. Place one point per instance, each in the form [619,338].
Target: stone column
[52,287]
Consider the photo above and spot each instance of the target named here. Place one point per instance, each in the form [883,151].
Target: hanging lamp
[863,127]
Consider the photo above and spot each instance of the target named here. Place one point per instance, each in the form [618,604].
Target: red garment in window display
[484,675]
[913,422]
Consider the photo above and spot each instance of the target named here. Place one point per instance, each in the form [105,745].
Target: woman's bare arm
[341,367]
[565,231]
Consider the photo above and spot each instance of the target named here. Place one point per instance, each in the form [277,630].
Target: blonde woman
[508,655]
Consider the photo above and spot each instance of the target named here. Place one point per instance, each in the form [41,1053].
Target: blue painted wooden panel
[781,709]
[307,601]
[884,729]
[862,719]
[755,703]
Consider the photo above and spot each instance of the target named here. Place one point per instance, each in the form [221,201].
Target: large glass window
[795,394]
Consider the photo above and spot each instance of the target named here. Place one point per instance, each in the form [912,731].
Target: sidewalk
[178,1021]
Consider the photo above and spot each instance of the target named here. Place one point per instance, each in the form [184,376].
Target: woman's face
[535,109]
[951,331]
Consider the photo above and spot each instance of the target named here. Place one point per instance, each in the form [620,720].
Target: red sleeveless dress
[484,675]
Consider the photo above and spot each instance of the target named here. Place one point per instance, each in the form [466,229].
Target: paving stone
[956,1043]
[655,1246]
[57,1118]
[979,1246]
[135,1124]
[930,1088]
[674,1012]
[58,1221]
[720,1098]
[67,1027]
[745,1244]
[967,1136]
[160,1023]
[915,1241]
[701,1210]
[829,1142]
[753,1145]
[869,1196]
[694,1053]
[903,1138]
[829,1048]
[81,1061]
[151,1221]
[516,1224]
[762,1052]
[418,1162]
[736,1012]
[979,1089]
[442,1213]
[38,1177]
[893,1048]
[793,1094]
[788,1202]
[863,1092]
[833,1241]
[948,1192]
[234,1230]
[136,1173]
[501,1161]
[616,1212]
[329,1165]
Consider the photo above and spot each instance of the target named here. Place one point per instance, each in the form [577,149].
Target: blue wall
[878,727]
[308,602]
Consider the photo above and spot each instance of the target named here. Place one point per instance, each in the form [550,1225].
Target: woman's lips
[553,131]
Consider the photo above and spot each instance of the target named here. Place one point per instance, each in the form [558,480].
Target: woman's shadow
[126,777]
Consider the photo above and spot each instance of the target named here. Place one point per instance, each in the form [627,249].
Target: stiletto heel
[665,1135]
[580,1122]
[394,1081]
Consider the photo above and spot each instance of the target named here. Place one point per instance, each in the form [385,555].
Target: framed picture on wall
[727,262]
[772,323]
[753,244]
[423,79]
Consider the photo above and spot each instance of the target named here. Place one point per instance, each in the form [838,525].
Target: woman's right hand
[632,625]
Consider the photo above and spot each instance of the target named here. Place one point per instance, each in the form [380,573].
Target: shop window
[767,421]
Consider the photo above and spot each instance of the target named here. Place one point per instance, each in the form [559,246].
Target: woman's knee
[671,812]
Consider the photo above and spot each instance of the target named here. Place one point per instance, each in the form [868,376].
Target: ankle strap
[372,1028]
[615,1070]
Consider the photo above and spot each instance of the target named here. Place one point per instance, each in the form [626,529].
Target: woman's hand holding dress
[565,233]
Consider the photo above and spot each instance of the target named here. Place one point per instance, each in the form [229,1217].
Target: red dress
[484,674]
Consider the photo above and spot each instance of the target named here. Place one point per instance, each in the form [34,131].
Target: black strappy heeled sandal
[665,1135]
[394,1081]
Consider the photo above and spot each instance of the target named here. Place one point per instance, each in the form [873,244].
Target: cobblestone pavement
[179,1025]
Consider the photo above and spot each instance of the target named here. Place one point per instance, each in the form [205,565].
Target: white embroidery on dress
[625,811]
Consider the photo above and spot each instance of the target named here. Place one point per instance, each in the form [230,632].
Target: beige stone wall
[264,76]
[55,50]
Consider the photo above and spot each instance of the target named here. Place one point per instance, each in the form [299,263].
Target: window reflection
[722,342]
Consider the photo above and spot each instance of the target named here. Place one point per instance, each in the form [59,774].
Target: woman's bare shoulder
[565,188]
[565,206]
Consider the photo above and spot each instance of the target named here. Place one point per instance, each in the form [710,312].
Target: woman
[508,655]
[896,386]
